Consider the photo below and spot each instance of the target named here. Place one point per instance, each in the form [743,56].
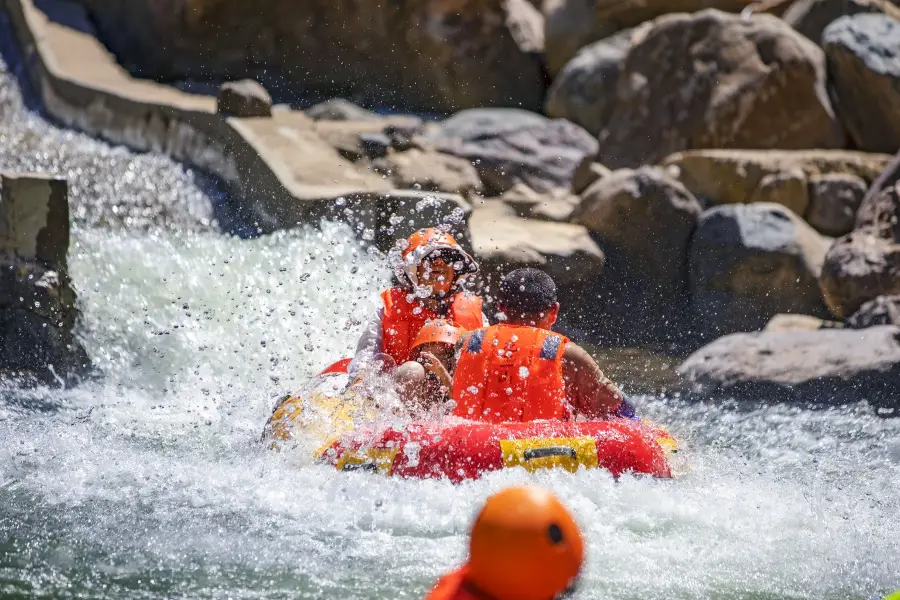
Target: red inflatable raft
[466,450]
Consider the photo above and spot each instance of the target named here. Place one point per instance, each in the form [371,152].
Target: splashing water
[149,483]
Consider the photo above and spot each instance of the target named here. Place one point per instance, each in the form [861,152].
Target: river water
[148,482]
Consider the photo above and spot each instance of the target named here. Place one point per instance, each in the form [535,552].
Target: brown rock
[584,92]
[751,262]
[503,242]
[509,146]
[787,188]
[644,221]
[557,205]
[828,366]
[865,263]
[245,98]
[34,218]
[833,201]
[863,53]
[733,176]
[883,310]
[717,80]
[432,171]
[811,17]
[587,173]
[435,55]
[573,24]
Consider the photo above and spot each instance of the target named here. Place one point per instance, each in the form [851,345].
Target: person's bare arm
[588,390]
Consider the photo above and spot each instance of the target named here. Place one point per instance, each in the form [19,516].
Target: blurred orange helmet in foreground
[525,545]
[437,331]
[409,253]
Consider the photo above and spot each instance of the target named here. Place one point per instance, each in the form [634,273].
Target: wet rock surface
[37,302]
[833,202]
[643,220]
[751,262]
[244,98]
[828,366]
[811,17]
[883,310]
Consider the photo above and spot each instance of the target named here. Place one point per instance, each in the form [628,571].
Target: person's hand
[436,368]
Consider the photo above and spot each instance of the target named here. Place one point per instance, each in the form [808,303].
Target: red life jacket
[403,318]
[453,586]
[511,373]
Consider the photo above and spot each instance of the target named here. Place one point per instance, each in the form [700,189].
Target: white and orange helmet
[408,254]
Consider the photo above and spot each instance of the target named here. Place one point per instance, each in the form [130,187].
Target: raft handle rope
[535,453]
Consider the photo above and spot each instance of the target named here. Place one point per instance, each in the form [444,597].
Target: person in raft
[524,545]
[429,266]
[425,380]
[519,370]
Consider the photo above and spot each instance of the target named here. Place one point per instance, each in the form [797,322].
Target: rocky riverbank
[693,174]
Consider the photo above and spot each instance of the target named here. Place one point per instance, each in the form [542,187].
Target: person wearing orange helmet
[429,266]
[426,378]
[524,545]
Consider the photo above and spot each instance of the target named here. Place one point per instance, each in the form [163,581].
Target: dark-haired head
[528,297]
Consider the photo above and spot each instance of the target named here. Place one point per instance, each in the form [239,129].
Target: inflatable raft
[463,450]
[455,449]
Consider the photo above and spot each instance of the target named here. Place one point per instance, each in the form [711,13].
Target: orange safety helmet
[437,331]
[525,545]
[409,253]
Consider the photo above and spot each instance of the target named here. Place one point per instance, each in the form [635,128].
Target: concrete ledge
[280,172]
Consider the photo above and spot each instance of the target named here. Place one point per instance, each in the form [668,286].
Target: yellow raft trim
[533,454]
[374,459]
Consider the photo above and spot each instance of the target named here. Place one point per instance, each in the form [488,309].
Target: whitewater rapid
[149,483]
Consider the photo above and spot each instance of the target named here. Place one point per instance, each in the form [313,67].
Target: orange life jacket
[511,373]
[404,318]
[453,586]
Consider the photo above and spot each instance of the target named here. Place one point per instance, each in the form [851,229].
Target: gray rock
[864,63]
[643,220]
[833,202]
[245,98]
[698,81]
[827,366]
[432,172]
[584,92]
[751,262]
[811,17]
[339,109]
[509,146]
[883,310]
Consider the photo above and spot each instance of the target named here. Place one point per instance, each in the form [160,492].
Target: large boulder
[557,205]
[572,24]
[883,310]
[735,176]
[643,220]
[865,263]
[864,62]
[439,55]
[827,366]
[501,242]
[715,80]
[584,92]
[751,262]
[509,146]
[811,17]
[833,201]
